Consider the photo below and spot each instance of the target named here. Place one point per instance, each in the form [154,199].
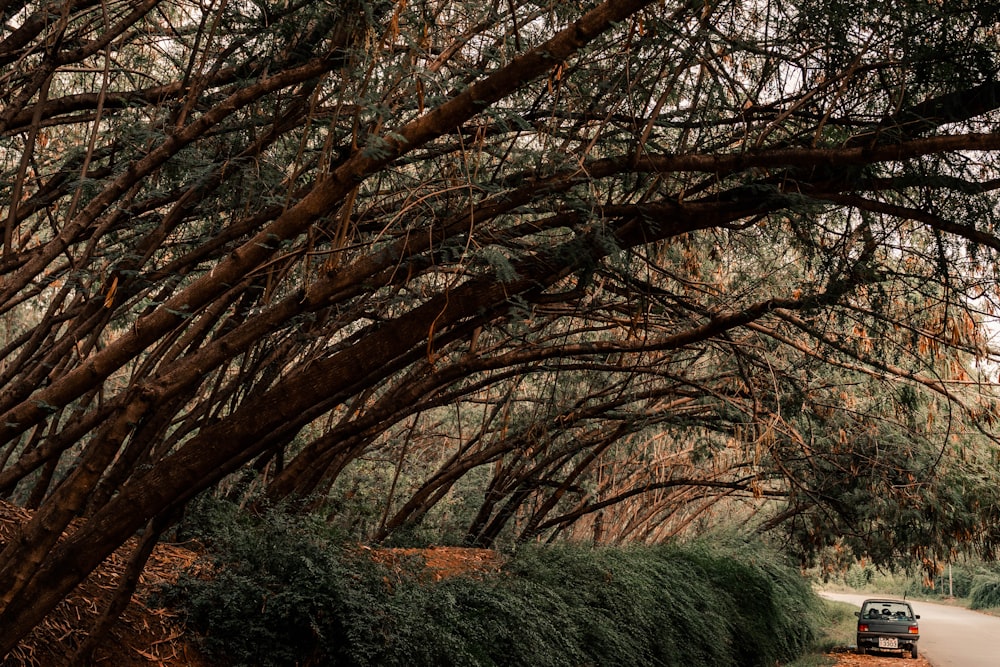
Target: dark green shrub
[859,576]
[285,592]
[273,595]
[960,583]
[985,593]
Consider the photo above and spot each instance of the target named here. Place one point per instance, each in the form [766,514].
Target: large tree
[606,263]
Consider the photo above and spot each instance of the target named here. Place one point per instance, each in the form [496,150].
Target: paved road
[949,636]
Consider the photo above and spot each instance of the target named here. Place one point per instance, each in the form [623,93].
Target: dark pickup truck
[887,625]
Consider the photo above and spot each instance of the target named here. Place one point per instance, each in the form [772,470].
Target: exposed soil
[144,635]
[851,659]
[442,562]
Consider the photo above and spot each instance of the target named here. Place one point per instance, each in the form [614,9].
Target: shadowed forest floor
[144,634]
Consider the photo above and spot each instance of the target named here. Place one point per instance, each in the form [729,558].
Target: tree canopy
[517,270]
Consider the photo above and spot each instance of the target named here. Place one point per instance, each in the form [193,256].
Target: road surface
[949,636]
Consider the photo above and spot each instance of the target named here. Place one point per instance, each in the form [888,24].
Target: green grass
[985,593]
[836,631]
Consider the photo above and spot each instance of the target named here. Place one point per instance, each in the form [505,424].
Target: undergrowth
[284,591]
[973,582]
[985,592]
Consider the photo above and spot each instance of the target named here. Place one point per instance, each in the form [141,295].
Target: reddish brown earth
[442,562]
[845,659]
[144,635]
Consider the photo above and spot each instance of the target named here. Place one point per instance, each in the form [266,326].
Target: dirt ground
[145,635]
[851,659]
[442,562]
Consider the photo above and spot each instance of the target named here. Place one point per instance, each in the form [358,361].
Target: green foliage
[286,591]
[985,592]
[270,598]
[971,580]
[960,583]
[897,500]
[838,629]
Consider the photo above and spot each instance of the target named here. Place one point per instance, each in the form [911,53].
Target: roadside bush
[959,583]
[859,576]
[913,582]
[285,592]
[985,593]
[962,579]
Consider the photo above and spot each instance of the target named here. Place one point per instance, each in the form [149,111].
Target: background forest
[498,272]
